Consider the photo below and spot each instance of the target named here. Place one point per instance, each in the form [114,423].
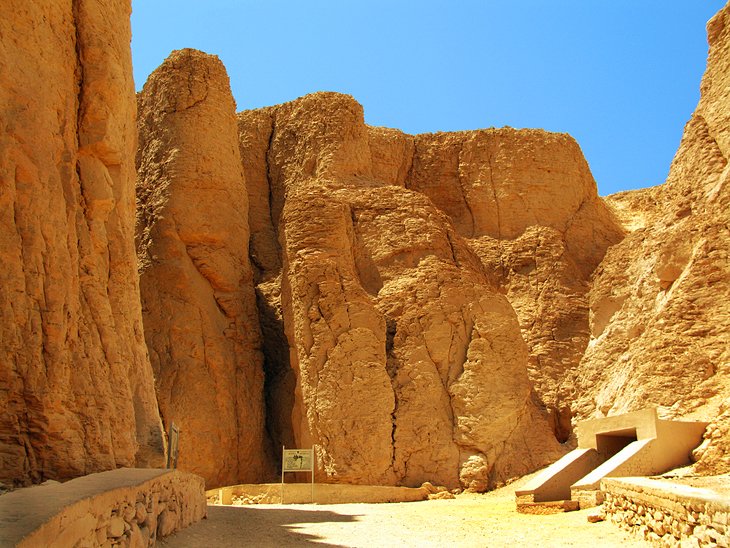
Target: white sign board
[297,460]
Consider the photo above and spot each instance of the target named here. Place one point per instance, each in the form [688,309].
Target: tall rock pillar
[199,305]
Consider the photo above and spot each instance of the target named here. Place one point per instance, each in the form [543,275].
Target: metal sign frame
[297,460]
[173,448]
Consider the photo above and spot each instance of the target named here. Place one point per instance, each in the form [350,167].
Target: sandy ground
[468,520]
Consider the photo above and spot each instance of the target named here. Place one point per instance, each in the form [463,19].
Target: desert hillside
[660,300]
[438,307]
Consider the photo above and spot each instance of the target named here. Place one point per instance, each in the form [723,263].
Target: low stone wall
[323,493]
[668,513]
[125,507]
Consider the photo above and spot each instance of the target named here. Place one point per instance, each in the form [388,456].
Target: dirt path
[468,520]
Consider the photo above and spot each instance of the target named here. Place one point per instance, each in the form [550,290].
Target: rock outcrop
[380,260]
[199,307]
[76,386]
[406,362]
[660,300]
[528,206]
[438,307]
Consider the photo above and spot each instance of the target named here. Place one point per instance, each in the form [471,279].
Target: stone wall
[124,507]
[321,493]
[667,513]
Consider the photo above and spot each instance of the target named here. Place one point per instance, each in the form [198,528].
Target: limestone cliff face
[437,307]
[199,307]
[76,387]
[660,300]
[405,362]
[527,204]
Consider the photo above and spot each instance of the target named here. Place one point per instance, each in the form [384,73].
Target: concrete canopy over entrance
[633,444]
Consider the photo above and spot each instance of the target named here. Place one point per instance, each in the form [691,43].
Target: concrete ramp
[554,482]
[634,444]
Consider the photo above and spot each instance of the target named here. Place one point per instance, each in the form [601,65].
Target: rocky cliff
[397,277]
[660,300]
[438,307]
[199,307]
[76,387]
[527,204]
[406,362]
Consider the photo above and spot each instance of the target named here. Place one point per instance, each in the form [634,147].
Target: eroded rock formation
[540,253]
[199,306]
[660,301]
[435,308]
[407,363]
[528,206]
[76,387]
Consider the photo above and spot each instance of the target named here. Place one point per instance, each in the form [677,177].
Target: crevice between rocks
[462,190]
[392,364]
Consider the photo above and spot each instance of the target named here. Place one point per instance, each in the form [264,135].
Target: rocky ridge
[659,302]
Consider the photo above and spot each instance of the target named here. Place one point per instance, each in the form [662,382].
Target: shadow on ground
[252,526]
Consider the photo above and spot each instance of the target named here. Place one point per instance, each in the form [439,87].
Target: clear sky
[621,76]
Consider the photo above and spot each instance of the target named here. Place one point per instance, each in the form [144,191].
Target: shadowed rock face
[76,386]
[660,300]
[199,307]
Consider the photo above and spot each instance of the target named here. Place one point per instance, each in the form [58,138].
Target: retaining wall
[323,493]
[125,507]
[667,513]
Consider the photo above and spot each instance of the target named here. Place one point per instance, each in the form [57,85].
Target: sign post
[296,460]
[173,447]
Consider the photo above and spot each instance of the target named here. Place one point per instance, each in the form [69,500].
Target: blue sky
[621,76]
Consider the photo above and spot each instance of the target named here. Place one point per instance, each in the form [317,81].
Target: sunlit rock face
[422,299]
[527,205]
[660,300]
[382,261]
[438,307]
[200,316]
[76,386]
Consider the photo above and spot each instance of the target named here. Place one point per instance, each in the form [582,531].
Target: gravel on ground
[483,520]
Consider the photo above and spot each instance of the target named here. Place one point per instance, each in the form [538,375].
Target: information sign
[298,460]
[174,445]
